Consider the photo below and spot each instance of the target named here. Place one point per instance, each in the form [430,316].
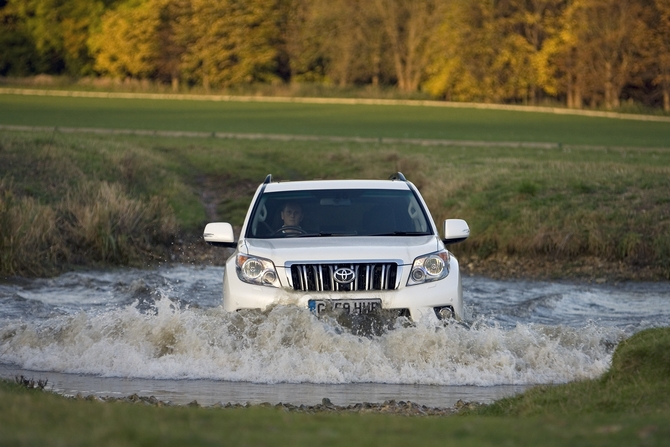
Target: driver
[291,215]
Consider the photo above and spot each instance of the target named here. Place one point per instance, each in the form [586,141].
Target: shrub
[106,225]
[95,223]
[30,243]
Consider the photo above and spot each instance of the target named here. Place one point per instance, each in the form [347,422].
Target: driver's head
[291,214]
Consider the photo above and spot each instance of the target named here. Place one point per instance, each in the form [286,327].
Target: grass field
[374,121]
[83,199]
[590,208]
[628,406]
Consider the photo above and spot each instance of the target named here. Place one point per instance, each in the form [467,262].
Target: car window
[342,212]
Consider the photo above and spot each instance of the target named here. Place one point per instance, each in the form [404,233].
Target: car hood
[401,249]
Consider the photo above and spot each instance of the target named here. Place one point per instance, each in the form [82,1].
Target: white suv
[345,246]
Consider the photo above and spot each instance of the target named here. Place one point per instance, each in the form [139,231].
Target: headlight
[431,267]
[253,270]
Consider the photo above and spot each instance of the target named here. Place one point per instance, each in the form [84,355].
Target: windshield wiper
[403,233]
[326,234]
[353,233]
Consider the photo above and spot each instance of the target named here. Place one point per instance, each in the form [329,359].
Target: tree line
[583,53]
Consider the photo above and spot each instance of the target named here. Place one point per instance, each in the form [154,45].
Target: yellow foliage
[232,42]
[586,51]
[126,43]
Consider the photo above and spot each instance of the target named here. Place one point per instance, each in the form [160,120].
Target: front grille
[322,277]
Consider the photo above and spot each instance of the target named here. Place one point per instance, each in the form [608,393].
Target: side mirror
[219,234]
[455,230]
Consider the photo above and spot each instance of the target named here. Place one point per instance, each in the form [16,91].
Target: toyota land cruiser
[356,246]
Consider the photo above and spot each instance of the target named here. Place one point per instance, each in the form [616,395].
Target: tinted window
[342,212]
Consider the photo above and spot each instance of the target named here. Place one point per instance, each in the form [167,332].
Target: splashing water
[168,324]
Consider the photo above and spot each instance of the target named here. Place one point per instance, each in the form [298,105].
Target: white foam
[289,344]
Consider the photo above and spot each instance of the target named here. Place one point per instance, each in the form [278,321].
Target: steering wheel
[289,230]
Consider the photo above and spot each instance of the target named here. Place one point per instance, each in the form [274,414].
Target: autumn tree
[604,36]
[467,62]
[172,38]
[496,51]
[233,42]
[304,41]
[410,27]
[41,21]
[78,18]
[528,29]
[18,53]
[312,41]
[583,52]
[658,54]
[345,44]
[376,51]
[126,44]
[58,31]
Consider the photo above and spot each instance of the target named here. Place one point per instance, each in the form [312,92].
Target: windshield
[338,212]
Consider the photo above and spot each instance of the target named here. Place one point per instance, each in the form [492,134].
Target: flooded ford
[164,333]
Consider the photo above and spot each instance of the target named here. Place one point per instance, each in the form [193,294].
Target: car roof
[336,184]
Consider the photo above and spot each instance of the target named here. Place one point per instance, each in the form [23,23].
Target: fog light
[444,313]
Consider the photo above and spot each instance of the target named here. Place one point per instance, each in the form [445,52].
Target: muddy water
[162,333]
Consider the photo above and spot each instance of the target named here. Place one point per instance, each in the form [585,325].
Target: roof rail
[268,179]
[398,176]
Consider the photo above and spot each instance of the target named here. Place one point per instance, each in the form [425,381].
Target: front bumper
[420,300]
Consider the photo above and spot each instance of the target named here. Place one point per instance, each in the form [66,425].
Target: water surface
[162,332]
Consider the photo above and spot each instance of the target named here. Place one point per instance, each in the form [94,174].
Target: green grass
[73,204]
[627,406]
[638,382]
[574,209]
[374,121]
[565,208]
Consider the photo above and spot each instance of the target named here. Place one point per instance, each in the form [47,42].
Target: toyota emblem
[344,275]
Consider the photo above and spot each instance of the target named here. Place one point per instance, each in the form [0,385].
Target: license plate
[351,307]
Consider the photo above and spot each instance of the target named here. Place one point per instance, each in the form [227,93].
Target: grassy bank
[627,406]
[81,199]
[68,203]
[638,382]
